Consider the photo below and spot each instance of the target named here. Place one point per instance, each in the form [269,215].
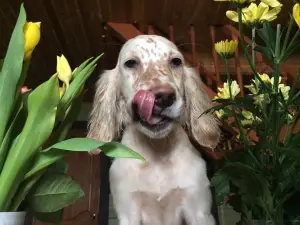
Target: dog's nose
[164,97]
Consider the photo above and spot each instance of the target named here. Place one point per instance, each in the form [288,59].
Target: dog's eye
[176,62]
[131,63]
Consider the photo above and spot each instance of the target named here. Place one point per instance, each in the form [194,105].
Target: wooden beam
[238,67]
[124,31]
[150,29]
[215,55]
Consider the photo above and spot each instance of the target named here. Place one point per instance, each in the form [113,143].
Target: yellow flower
[236,1]
[249,118]
[32,36]
[62,90]
[224,92]
[265,78]
[226,48]
[220,113]
[285,90]
[296,13]
[290,118]
[254,14]
[63,70]
[272,3]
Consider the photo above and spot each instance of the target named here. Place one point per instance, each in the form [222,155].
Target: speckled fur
[172,185]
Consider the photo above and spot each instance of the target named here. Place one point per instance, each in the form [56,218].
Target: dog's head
[152,88]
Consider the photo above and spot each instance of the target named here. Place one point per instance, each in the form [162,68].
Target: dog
[147,99]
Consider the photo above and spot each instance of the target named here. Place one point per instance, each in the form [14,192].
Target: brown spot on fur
[152,74]
[150,40]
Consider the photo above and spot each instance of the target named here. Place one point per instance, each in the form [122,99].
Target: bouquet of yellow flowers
[32,174]
[262,181]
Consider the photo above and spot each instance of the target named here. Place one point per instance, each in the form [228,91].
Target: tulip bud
[63,70]
[32,35]
[24,89]
[296,13]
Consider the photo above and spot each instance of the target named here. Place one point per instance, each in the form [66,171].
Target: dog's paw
[95,151]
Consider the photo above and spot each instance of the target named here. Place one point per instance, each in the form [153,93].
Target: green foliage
[33,131]
[262,181]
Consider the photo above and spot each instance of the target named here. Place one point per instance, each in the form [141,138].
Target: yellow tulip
[32,36]
[223,93]
[62,90]
[296,13]
[63,70]
[226,48]
[255,14]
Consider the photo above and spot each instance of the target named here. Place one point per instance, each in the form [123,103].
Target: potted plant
[33,128]
[261,181]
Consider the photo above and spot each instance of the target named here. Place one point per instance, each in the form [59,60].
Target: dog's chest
[161,177]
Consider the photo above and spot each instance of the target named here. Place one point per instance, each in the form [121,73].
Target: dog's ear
[205,129]
[109,109]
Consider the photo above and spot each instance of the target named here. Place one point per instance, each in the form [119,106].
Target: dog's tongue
[145,102]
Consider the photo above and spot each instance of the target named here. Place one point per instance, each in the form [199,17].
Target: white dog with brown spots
[148,97]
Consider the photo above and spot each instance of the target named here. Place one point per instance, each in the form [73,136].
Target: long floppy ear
[205,129]
[109,109]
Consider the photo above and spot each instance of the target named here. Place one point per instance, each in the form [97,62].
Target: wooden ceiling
[77,28]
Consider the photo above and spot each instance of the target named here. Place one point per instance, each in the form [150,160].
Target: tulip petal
[296,13]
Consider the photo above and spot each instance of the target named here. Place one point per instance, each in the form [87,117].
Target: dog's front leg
[197,206]
[130,215]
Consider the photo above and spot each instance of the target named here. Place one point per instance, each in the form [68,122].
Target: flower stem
[238,124]
[246,51]
[228,78]
[287,36]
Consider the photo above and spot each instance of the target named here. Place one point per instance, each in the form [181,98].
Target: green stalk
[239,126]
[287,37]
[242,41]
[276,128]
[294,39]
[253,51]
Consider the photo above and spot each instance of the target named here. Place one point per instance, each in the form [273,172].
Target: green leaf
[11,72]
[59,150]
[42,105]
[64,127]
[23,189]
[52,217]
[11,135]
[268,35]
[266,52]
[81,67]
[53,192]
[1,64]
[289,51]
[221,183]
[60,166]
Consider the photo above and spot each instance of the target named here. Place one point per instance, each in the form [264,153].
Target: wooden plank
[89,19]
[215,56]
[68,24]
[238,67]
[124,31]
